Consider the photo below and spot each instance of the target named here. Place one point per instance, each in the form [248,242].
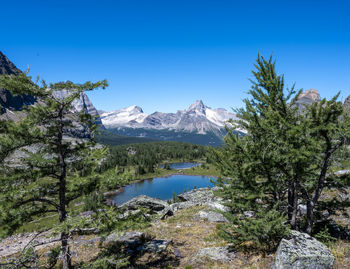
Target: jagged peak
[7,67]
[134,107]
[310,94]
[198,105]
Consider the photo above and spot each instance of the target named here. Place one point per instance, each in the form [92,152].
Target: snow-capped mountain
[128,117]
[198,118]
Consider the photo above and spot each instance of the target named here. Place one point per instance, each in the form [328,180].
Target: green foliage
[325,237]
[45,163]
[283,159]
[53,256]
[167,166]
[93,201]
[261,232]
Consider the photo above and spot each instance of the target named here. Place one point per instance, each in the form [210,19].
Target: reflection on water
[182,165]
[162,187]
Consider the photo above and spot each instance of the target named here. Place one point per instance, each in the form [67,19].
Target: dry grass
[341,251]
[189,234]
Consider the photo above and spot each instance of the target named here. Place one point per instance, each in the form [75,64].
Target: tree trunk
[67,261]
[67,264]
[292,205]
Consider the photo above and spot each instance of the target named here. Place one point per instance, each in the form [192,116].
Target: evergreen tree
[43,166]
[283,158]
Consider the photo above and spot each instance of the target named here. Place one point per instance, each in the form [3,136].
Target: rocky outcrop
[129,239]
[155,206]
[347,102]
[301,251]
[8,101]
[136,242]
[82,103]
[212,216]
[307,98]
[198,196]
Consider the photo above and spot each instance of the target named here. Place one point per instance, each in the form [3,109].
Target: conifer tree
[283,159]
[41,162]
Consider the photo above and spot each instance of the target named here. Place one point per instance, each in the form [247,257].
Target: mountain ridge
[197,118]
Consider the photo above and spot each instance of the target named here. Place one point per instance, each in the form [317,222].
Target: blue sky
[164,55]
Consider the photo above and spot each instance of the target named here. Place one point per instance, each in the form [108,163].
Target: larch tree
[41,161]
[282,160]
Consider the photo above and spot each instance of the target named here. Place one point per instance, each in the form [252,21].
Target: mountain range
[197,124]
[197,118]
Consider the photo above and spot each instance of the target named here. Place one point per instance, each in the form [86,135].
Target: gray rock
[198,196]
[155,205]
[220,254]
[129,239]
[218,206]
[212,216]
[155,246]
[182,205]
[249,214]
[302,209]
[307,98]
[347,102]
[301,251]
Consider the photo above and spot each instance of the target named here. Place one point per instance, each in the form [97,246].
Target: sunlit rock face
[307,98]
[347,102]
[8,101]
[81,104]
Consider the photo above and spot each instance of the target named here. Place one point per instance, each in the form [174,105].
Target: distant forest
[145,157]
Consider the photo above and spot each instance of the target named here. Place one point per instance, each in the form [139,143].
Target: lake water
[181,165]
[161,187]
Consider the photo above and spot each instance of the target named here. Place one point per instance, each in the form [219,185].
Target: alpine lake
[163,187]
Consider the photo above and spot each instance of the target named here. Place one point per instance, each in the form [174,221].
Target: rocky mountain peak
[347,102]
[9,102]
[135,109]
[307,98]
[198,107]
[311,94]
[7,67]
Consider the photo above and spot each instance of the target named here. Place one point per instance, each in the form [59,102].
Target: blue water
[181,165]
[161,187]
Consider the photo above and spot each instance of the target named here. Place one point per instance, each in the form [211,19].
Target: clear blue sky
[164,55]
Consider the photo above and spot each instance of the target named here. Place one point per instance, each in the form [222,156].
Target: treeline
[112,139]
[145,157]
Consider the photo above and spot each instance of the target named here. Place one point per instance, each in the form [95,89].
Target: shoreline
[120,189]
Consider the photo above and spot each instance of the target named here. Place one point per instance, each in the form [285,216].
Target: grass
[341,251]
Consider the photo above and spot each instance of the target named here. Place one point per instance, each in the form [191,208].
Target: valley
[164,190]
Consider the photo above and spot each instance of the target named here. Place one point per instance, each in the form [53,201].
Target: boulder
[155,205]
[198,196]
[212,216]
[129,239]
[218,206]
[219,254]
[301,251]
